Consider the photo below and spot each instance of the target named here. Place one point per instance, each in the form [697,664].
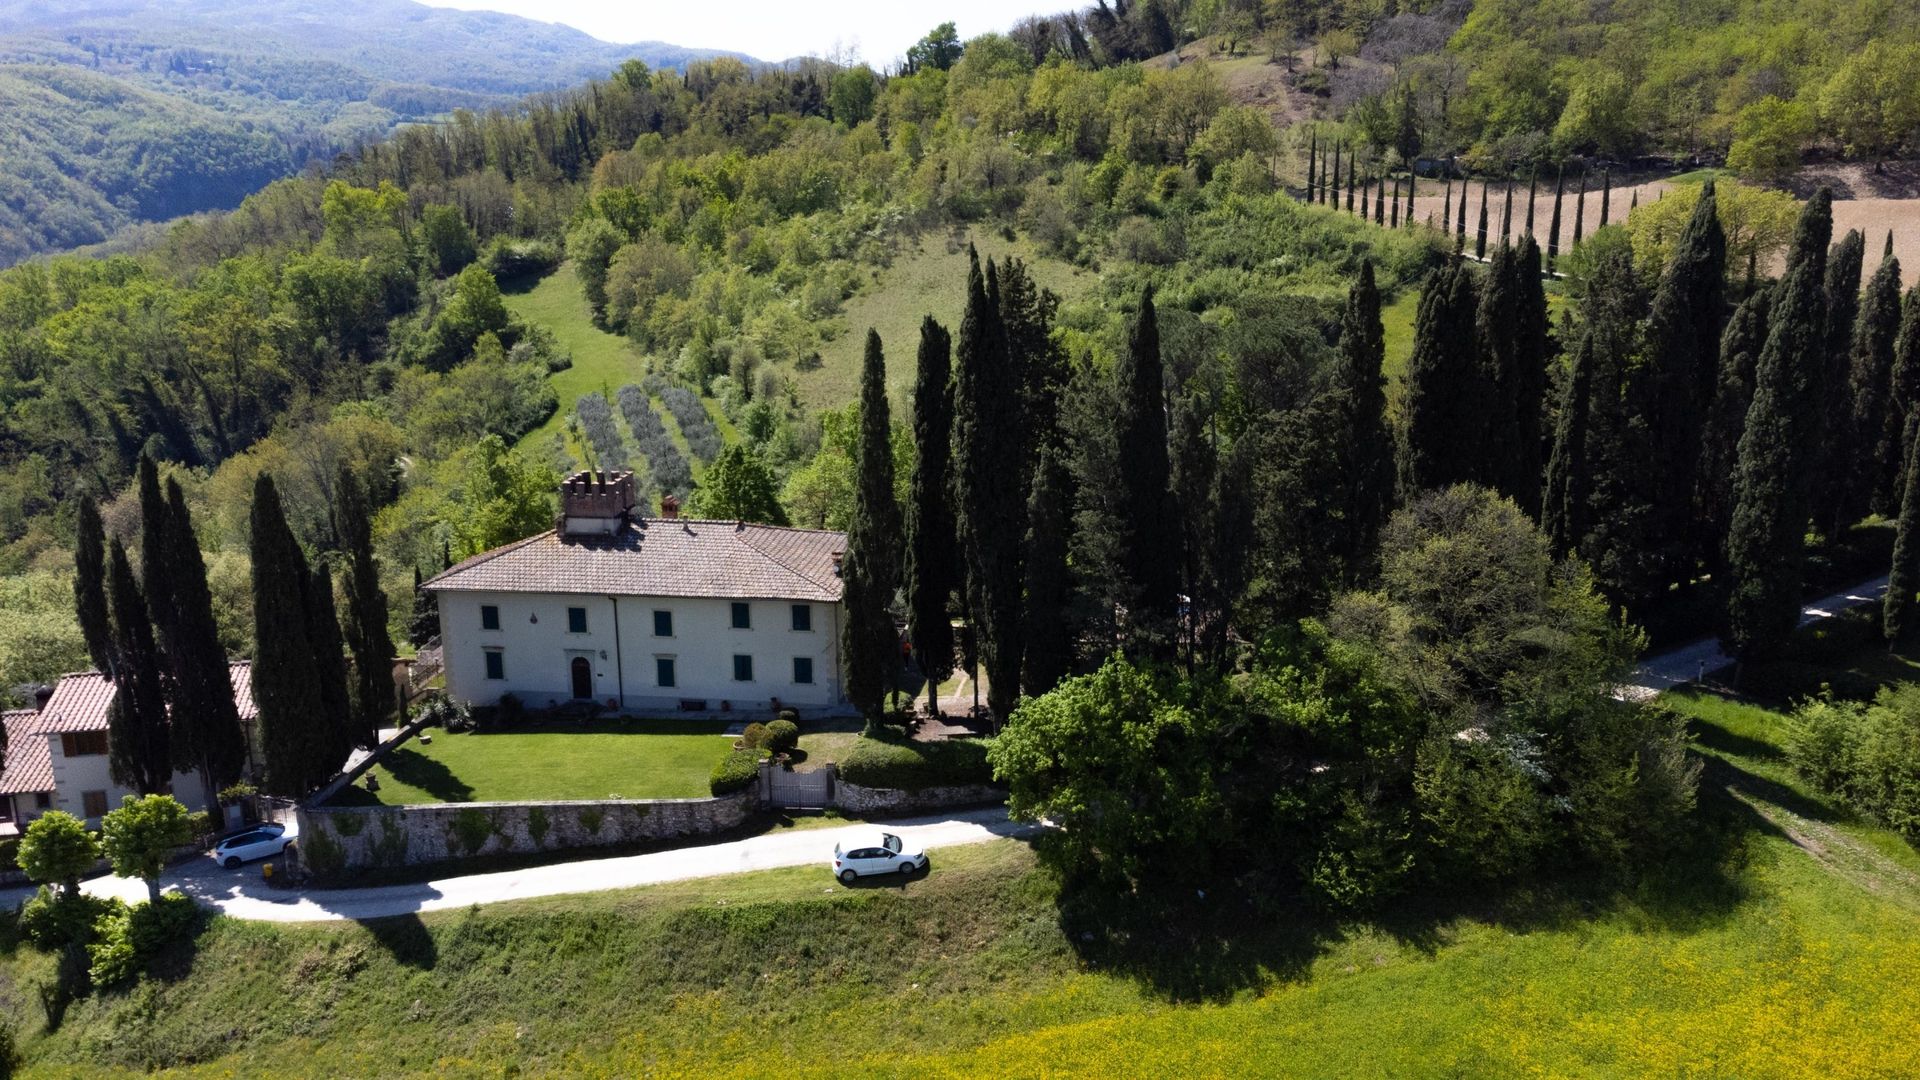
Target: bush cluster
[736,771]
[671,473]
[782,736]
[695,424]
[1865,754]
[596,422]
[889,760]
[126,939]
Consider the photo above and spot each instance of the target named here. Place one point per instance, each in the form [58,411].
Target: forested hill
[142,110]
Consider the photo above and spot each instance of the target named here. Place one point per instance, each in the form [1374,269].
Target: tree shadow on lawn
[406,938]
[411,767]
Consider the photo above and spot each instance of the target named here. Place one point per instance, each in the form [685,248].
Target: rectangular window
[43,800]
[742,667]
[742,616]
[803,616]
[489,617]
[803,669]
[83,743]
[663,624]
[576,620]
[496,664]
[663,670]
[93,803]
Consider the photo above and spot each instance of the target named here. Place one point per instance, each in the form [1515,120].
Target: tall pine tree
[1873,476]
[1511,327]
[373,697]
[1840,446]
[334,740]
[156,556]
[931,565]
[1569,480]
[988,496]
[296,727]
[90,584]
[1771,504]
[871,567]
[1553,224]
[1050,627]
[1904,392]
[137,722]
[1480,233]
[1580,211]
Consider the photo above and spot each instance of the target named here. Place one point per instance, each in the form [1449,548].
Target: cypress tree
[1511,328]
[372,647]
[156,558]
[1394,213]
[1313,161]
[1380,201]
[1363,466]
[1152,547]
[90,584]
[1038,364]
[1462,211]
[871,566]
[137,721]
[1841,447]
[1445,410]
[1351,173]
[1580,211]
[1740,349]
[1366,196]
[1904,392]
[1773,474]
[424,624]
[1050,630]
[206,736]
[1480,234]
[1616,540]
[332,739]
[1533,179]
[286,679]
[1506,214]
[1563,514]
[931,557]
[987,488]
[1606,195]
[1413,183]
[1333,177]
[1673,389]
[1446,206]
[1553,224]
[1873,477]
[1903,580]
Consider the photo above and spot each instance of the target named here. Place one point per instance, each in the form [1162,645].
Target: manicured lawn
[599,759]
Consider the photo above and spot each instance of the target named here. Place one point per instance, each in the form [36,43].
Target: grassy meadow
[601,361]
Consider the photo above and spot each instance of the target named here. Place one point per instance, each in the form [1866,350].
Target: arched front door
[582,677]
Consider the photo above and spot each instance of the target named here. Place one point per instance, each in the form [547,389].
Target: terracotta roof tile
[79,703]
[662,557]
[29,762]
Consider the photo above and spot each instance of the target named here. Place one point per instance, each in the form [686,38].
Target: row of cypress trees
[154,634]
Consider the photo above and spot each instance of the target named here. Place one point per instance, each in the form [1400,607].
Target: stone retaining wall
[866,800]
[336,839]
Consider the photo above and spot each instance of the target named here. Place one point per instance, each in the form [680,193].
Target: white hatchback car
[876,853]
[259,842]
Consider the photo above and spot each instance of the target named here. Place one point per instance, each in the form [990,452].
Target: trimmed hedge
[782,736]
[736,771]
[891,761]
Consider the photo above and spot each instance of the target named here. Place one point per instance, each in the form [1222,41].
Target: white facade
[76,777]
[541,652]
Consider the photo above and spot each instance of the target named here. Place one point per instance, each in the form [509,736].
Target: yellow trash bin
[266,871]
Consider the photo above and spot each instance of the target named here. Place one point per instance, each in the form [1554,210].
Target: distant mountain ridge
[123,111]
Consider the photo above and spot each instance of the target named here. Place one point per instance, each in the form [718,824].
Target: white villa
[648,615]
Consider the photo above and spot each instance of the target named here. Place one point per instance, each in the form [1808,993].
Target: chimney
[595,503]
[837,556]
[669,507]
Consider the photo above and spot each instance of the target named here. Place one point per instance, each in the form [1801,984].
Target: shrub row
[596,420]
[671,473]
[890,760]
[1866,755]
[695,424]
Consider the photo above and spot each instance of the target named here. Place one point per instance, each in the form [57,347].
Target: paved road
[1688,663]
[242,893]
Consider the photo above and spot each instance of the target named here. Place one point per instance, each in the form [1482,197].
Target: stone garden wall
[337,839]
[855,799]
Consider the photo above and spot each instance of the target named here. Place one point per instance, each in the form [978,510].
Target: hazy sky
[878,30]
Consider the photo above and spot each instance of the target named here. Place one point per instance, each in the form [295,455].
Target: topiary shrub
[754,737]
[886,759]
[736,771]
[791,716]
[782,736]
